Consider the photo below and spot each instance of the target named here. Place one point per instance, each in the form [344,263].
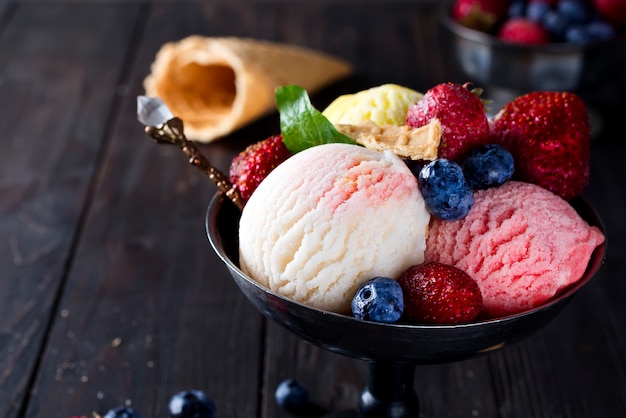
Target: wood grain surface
[110,293]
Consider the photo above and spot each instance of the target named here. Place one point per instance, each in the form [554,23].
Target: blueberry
[555,23]
[600,31]
[445,190]
[537,10]
[488,166]
[292,396]
[121,412]
[574,10]
[577,33]
[379,300]
[517,8]
[191,404]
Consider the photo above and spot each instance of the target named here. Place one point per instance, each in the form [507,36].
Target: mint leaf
[301,125]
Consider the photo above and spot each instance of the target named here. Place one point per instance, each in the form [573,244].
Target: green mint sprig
[301,125]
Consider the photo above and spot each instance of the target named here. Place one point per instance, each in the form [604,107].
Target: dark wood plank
[5,11]
[59,75]
[561,370]
[148,309]
[388,42]
[334,381]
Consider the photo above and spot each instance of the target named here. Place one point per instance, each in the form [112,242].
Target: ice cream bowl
[596,70]
[392,350]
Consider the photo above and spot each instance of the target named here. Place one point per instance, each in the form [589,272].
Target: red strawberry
[548,134]
[437,293]
[482,15]
[461,113]
[520,30]
[612,10]
[254,163]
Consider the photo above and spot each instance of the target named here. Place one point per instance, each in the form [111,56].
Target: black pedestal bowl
[392,350]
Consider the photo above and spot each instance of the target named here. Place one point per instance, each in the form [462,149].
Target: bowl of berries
[517,46]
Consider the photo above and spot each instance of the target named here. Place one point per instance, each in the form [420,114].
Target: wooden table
[110,293]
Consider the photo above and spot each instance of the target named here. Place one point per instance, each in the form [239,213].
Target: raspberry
[523,31]
[479,14]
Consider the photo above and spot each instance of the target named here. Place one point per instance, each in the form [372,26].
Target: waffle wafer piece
[219,84]
[415,143]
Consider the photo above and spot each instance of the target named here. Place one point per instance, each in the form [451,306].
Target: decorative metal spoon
[165,128]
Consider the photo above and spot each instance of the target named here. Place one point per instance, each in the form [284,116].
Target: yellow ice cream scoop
[383,105]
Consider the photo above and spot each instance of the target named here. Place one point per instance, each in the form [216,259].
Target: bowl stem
[389,392]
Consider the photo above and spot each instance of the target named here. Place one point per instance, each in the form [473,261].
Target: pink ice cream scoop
[520,242]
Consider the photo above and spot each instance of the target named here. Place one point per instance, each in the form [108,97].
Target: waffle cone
[217,85]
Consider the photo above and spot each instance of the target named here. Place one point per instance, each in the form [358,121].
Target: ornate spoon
[165,128]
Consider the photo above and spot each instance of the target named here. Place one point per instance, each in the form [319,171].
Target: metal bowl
[595,71]
[392,343]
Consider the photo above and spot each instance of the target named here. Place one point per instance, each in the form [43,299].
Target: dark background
[109,291]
